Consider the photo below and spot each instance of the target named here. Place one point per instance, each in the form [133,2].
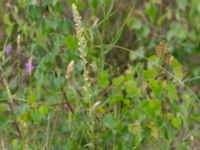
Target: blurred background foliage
[149,23]
[44,31]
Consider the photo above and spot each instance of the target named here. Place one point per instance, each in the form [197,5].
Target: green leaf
[151,107]
[10,25]
[136,130]
[65,26]
[127,102]
[35,12]
[154,130]
[181,4]
[144,31]
[43,110]
[176,121]
[35,115]
[23,117]
[171,92]
[177,30]
[135,114]
[152,11]
[59,81]
[22,3]
[71,42]
[103,79]
[156,87]
[135,55]
[109,121]
[51,23]
[177,68]
[149,74]
[131,87]
[15,143]
[58,7]
[41,38]
[135,24]
[183,33]
[3,122]
[116,98]
[117,81]
[161,19]
[32,97]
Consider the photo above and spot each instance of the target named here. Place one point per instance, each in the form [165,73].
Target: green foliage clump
[65,83]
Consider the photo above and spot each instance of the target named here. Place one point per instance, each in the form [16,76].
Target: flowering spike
[82,43]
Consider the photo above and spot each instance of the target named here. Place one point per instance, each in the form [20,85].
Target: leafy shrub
[61,90]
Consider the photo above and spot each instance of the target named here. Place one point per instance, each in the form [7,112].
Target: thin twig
[66,100]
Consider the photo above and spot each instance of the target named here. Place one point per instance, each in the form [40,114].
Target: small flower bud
[9,49]
[29,66]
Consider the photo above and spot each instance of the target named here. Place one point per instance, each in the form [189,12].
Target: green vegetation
[99,74]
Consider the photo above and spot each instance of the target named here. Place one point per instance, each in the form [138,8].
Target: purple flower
[8,49]
[29,67]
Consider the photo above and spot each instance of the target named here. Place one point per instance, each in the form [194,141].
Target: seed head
[69,70]
[82,43]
